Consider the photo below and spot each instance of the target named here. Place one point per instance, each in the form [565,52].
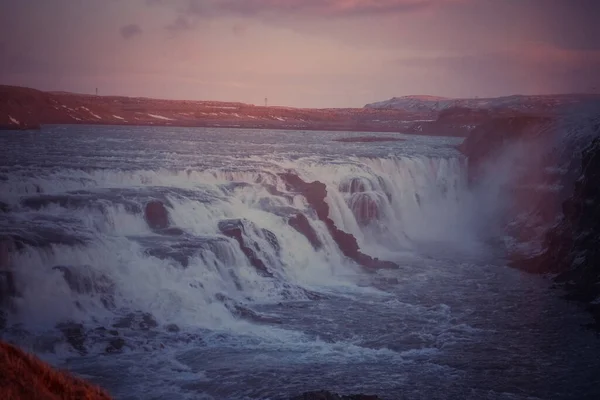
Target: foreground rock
[25,377]
[315,194]
[324,395]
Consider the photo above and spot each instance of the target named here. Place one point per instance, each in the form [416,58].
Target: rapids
[231,286]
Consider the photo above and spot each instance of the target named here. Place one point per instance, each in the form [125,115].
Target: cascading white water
[388,204]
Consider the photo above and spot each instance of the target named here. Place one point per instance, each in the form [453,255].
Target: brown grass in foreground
[23,376]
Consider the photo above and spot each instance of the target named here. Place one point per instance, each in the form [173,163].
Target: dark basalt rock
[355,185]
[315,194]
[172,231]
[4,208]
[137,320]
[272,239]
[236,229]
[156,215]
[570,249]
[300,223]
[324,395]
[365,207]
[115,345]
[244,312]
[75,336]
[8,288]
[84,281]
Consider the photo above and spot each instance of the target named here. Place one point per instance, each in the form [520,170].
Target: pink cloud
[310,7]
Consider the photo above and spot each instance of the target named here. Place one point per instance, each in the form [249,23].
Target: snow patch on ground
[279,118]
[14,121]
[117,117]
[88,110]
[160,117]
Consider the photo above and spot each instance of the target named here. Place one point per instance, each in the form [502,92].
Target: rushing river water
[184,312]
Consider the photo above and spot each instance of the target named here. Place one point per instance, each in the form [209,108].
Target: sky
[302,53]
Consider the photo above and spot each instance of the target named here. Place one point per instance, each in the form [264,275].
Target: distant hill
[25,108]
[519,103]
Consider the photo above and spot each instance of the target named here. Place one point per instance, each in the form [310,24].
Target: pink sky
[307,53]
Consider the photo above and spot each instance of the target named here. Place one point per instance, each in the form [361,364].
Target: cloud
[329,8]
[180,24]
[239,29]
[131,30]
[531,70]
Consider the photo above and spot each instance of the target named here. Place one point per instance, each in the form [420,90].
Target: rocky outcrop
[315,194]
[569,245]
[156,215]
[301,224]
[84,280]
[237,230]
[366,207]
[572,247]
[324,395]
[25,377]
[487,141]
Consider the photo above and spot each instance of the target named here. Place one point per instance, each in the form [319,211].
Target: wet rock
[75,335]
[8,289]
[244,312]
[173,328]
[84,280]
[139,320]
[325,395]
[172,231]
[156,215]
[300,223]
[235,229]
[315,194]
[355,185]
[41,235]
[115,345]
[365,207]
[4,208]
[181,248]
[272,239]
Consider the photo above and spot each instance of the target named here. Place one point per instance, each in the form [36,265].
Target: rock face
[489,139]
[315,194]
[237,229]
[324,395]
[300,223]
[25,377]
[156,215]
[570,249]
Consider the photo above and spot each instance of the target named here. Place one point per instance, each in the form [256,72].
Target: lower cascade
[95,246]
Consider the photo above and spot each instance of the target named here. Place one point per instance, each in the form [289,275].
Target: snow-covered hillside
[517,102]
